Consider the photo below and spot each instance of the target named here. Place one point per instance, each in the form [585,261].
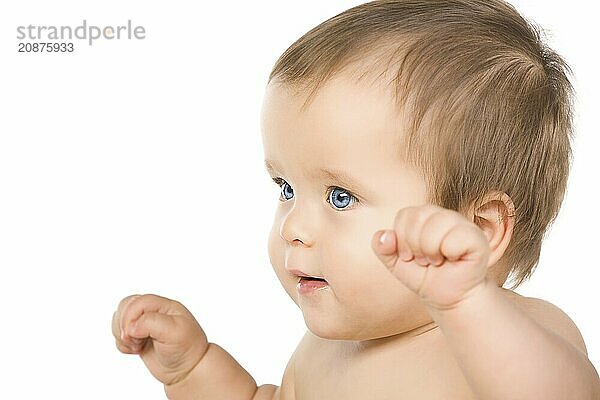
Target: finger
[130,346]
[158,326]
[117,328]
[434,229]
[409,232]
[411,274]
[383,244]
[466,242]
[143,304]
[126,349]
[400,223]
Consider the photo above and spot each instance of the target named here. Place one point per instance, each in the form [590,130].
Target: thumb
[385,247]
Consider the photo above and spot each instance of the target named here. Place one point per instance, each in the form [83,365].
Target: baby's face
[323,226]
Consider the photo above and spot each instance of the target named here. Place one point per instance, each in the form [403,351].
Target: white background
[136,167]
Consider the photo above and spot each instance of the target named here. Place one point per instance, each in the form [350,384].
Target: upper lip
[301,274]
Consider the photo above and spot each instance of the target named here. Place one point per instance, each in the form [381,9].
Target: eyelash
[280,181]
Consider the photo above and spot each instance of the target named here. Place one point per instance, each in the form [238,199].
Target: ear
[495,215]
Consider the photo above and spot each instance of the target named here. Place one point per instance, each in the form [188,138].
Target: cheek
[349,253]
[275,249]
[351,266]
[356,273]
[272,246]
[277,260]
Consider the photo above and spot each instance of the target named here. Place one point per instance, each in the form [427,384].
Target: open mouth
[309,285]
[310,278]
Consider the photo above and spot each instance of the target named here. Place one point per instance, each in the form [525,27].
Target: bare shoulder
[550,317]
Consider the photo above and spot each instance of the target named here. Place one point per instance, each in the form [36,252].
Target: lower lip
[307,286]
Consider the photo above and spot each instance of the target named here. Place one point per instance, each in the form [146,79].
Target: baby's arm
[504,354]
[219,376]
[175,349]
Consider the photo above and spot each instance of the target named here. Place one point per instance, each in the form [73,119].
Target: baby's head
[457,103]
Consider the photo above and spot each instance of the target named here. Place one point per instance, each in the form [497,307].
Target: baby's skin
[409,304]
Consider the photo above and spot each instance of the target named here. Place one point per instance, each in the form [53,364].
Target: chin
[323,327]
[329,327]
[329,334]
[332,329]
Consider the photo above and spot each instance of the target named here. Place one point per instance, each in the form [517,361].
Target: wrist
[473,298]
[186,387]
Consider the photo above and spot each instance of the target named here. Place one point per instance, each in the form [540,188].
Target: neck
[374,344]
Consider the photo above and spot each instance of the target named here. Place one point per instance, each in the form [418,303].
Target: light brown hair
[490,104]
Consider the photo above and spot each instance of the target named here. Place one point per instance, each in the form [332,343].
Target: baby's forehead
[374,67]
[344,90]
[341,103]
[347,123]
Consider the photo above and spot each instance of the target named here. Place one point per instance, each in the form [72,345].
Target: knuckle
[458,231]
[178,308]
[127,324]
[143,319]
[402,214]
[129,298]
[125,302]
[442,213]
[431,207]
[452,215]
[175,303]
[397,219]
[420,217]
[142,298]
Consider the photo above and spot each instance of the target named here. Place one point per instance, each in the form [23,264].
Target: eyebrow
[335,175]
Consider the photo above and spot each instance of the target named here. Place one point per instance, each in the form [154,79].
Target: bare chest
[424,369]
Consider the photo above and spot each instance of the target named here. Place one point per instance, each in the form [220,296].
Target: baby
[422,148]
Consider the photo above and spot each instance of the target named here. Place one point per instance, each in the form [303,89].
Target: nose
[294,228]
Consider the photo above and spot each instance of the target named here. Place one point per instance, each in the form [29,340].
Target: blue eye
[283,186]
[338,197]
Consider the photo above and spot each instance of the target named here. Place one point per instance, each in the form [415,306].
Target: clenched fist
[163,332]
[436,252]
